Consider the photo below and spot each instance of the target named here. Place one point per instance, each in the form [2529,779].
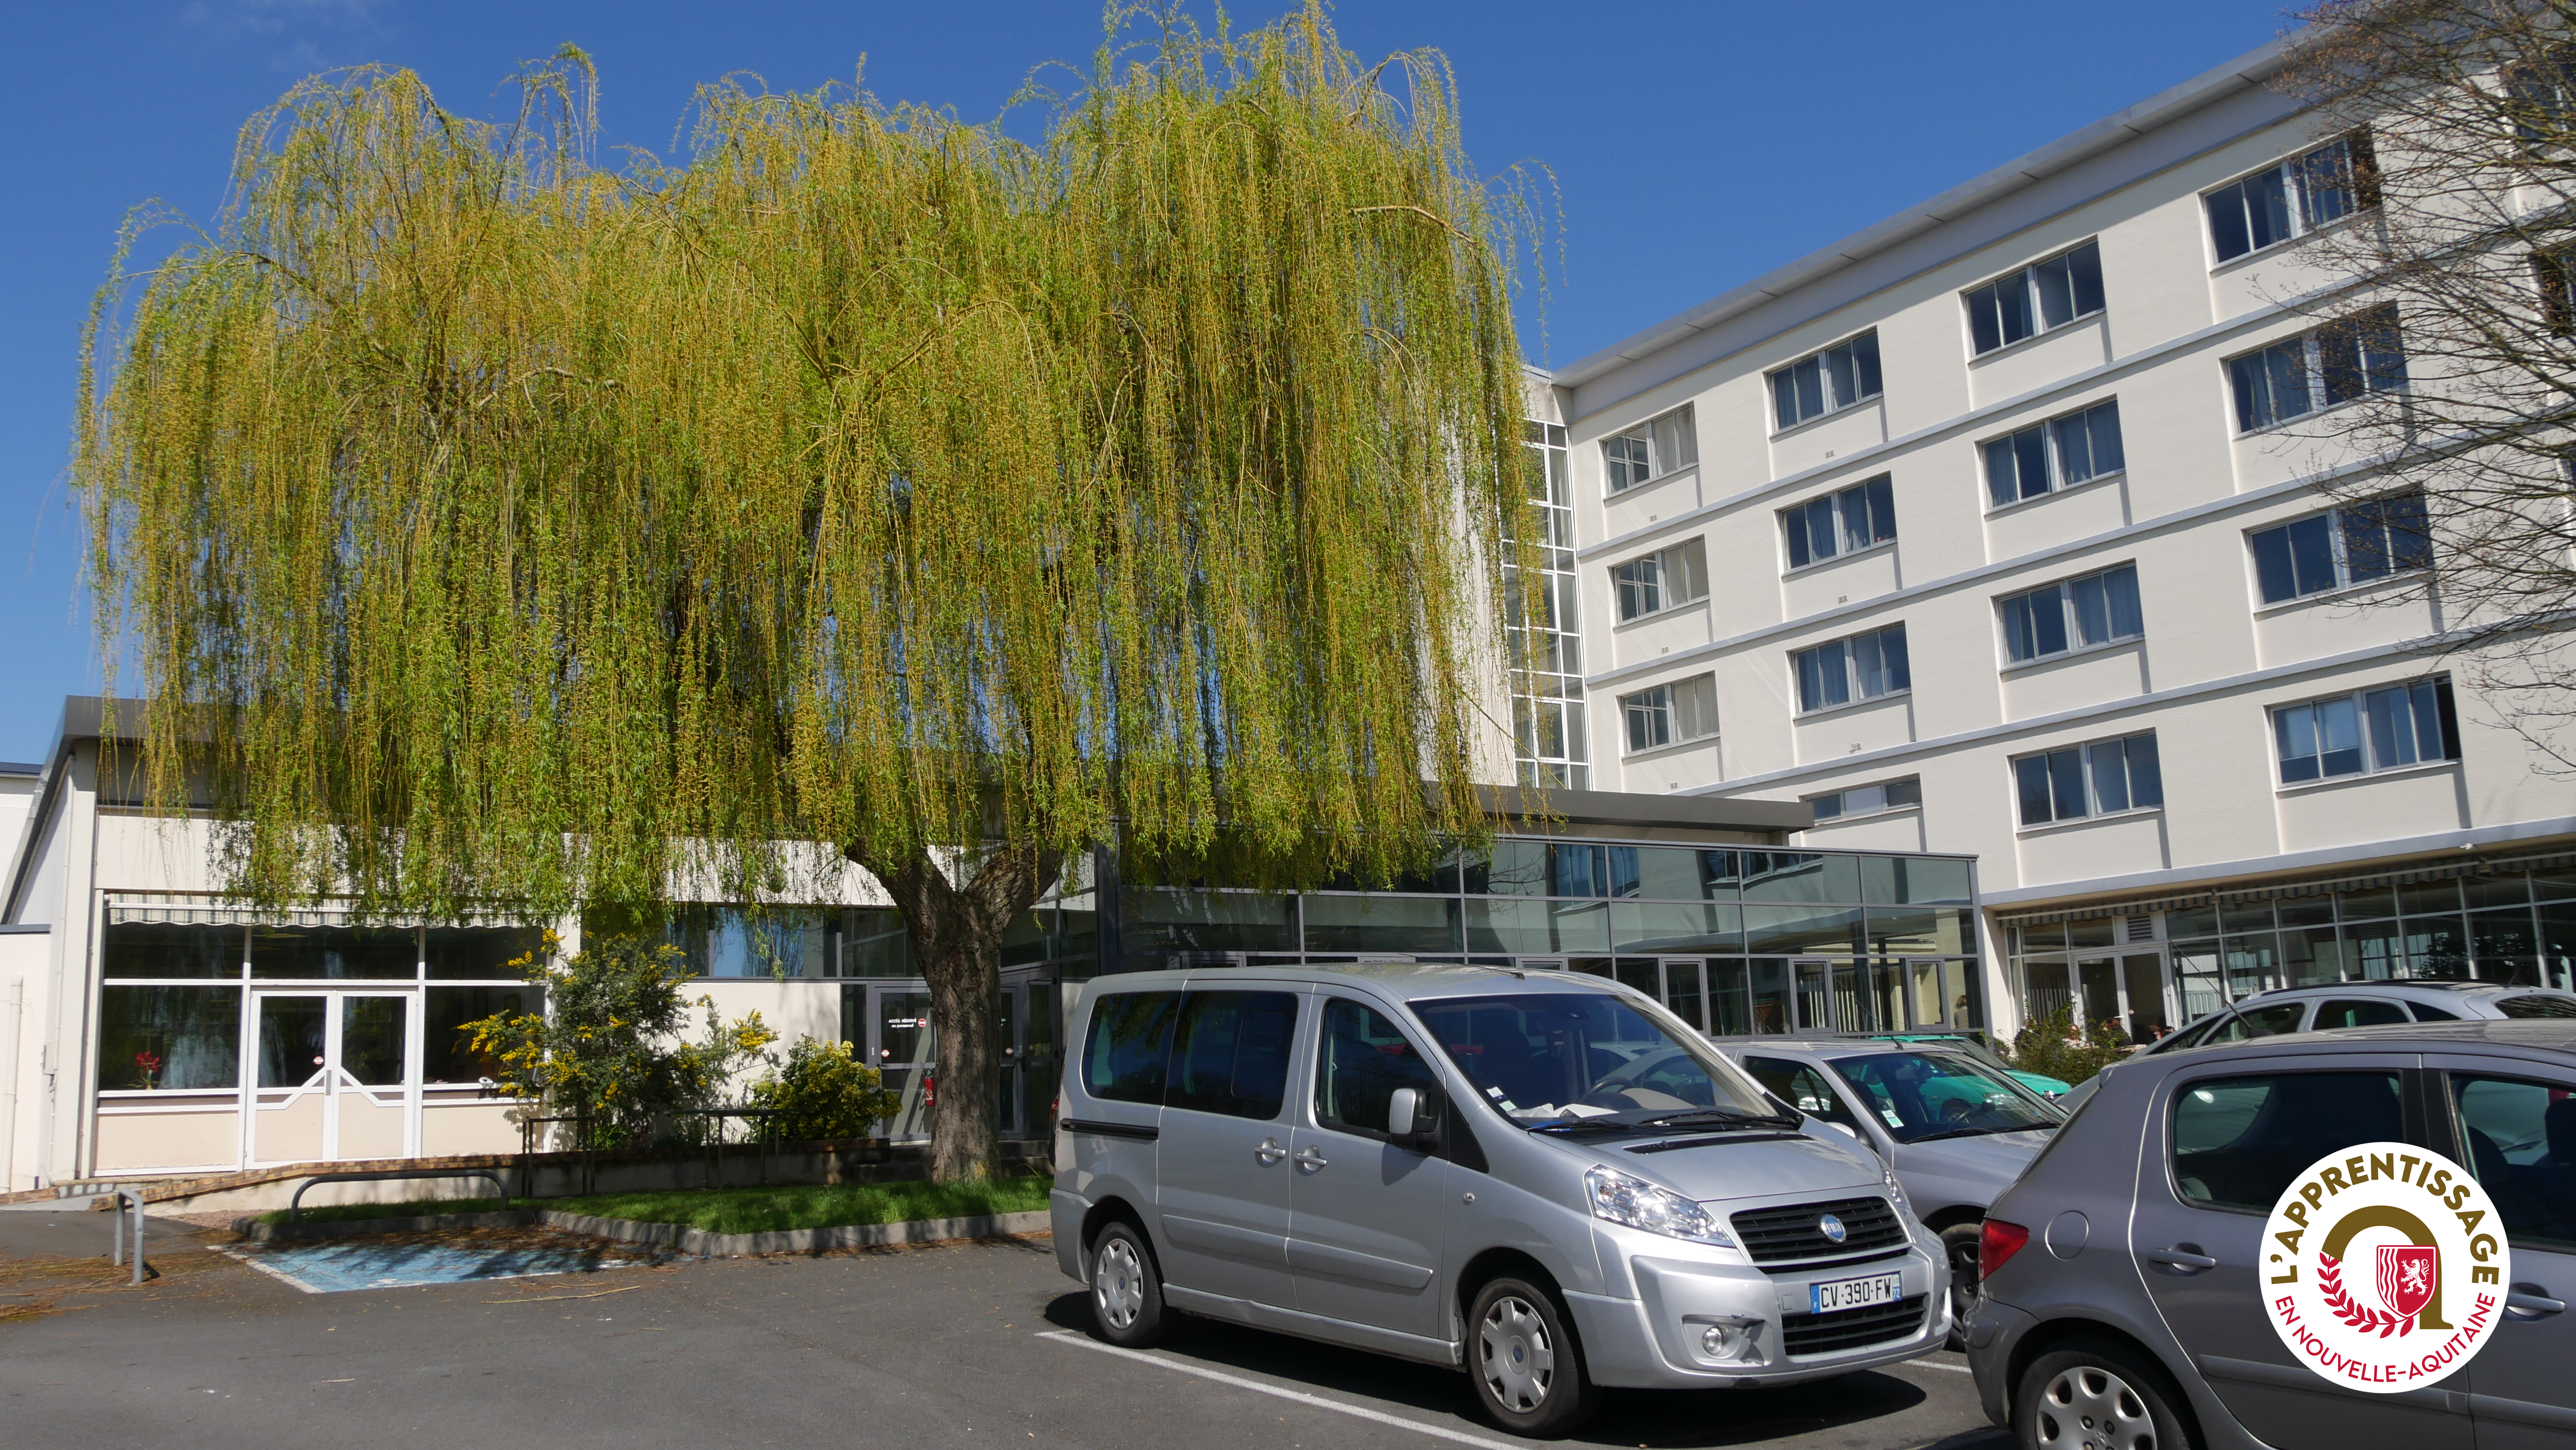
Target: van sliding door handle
[1310,1160]
[1269,1152]
[2181,1259]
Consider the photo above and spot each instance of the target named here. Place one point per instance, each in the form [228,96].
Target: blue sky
[1695,146]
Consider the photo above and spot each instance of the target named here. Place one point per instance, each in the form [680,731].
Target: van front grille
[1795,1234]
[1851,1328]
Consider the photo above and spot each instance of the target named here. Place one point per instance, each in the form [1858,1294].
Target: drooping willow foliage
[489,526]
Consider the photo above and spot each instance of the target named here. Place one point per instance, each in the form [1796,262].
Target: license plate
[1855,1293]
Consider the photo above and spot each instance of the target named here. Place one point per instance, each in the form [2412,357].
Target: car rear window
[2358,1013]
[2237,1142]
[2425,1013]
[2538,1004]
[1131,1042]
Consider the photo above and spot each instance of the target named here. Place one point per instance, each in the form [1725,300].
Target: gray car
[2367,1004]
[1956,1131]
[2121,1306]
[1545,1179]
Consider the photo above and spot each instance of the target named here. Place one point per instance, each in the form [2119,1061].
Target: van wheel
[1959,1245]
[1527,1368]
[2098,1396]
[1126,1288]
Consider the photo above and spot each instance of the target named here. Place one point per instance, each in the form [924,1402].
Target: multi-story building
[1991,530]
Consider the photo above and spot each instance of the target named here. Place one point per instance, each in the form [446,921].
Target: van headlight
[1624,1198]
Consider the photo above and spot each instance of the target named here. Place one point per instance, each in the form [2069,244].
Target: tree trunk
[956,929]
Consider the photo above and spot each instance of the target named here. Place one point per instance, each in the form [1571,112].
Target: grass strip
[416,1208]
[775,1210]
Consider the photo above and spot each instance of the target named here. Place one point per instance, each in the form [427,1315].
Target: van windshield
[1567,1061]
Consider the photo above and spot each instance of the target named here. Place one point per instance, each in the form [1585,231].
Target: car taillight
[1997,1242]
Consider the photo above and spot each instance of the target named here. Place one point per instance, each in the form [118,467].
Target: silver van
[1542,1178]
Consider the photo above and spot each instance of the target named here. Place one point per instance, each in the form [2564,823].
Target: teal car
[1975,1046]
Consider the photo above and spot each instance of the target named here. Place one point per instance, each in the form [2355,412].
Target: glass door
[334,1078]
[2128,992]
[902,1046]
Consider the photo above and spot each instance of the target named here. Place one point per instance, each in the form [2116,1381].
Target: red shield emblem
[2406,1276]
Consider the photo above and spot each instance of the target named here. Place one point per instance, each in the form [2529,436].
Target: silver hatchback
[2123,1305]
[1544,1179]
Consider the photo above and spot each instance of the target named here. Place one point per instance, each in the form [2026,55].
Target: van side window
[1230,1053]
[1362,1061]
[1800,1086]
[2239,1141]
[1131,1039]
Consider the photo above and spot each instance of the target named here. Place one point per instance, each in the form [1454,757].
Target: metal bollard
[116,1233]
[116,1241]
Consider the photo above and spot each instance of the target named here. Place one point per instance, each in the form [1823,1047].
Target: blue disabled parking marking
[336,1268]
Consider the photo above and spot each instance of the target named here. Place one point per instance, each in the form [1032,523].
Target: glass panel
[2055,283]
[1801,930]
[2099,987]
[1129,1047]
[1672,927]
[447,1054]
[2045,989]
[2512,889]
[2425,897]
[1230,1053]
[290,1040]
[2305,910]
[2192,921]
[2240,1142]
[2310,957]
[1663,873]
[334,952]
[1897,880]
[2110,761]
[1796,876]
[1642,973]
[169,1037]
[371,1039]
[2312,554]
[1730,1008]
[1396,925]
[153,949]
[488,953]
[2195,965]
[2030,779]
[1682,992]
[2438,947]
[2252,965]
[1770,977]
[1536,928]
[1923,995]
[2146,771]
[2373,951]
[2339,736]
[1815,1000]
[2066,785]
[1166,920]
[903,1030]
[1360,1063]
[2496,935]
[874,943]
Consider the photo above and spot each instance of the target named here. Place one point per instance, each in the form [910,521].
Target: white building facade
[1989,530]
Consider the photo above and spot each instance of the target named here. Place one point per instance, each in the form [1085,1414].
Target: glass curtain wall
[1546,651]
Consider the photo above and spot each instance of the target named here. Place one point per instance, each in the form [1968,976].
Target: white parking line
[1443,1432]
[1940,1364]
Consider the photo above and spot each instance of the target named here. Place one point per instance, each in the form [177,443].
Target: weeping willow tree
[494,530]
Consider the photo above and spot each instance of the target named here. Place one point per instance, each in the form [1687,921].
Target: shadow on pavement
[1628,1417]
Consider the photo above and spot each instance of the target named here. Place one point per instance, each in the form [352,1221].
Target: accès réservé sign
[2384,1267]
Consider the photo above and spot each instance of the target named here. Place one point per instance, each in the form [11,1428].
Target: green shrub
[823,1092]
[2051,1047]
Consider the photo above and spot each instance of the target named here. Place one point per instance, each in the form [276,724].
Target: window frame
[1901,664]
[2317,372]
[2028,276]
[2401,563]
[1636,705]
[1647,434]
[2071,618]
[2427,691]
[1823,359]
[1797,524]
[2359,174]
[1691,555]
[2052,450]
[1886,806]
[2087,758]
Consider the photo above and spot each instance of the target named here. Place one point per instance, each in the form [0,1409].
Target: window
[1827,381]
[1667,579]
[1546,649]
[2096,779]
[2370,730]
[1650,450]
[2353,544]
[2240,1142]
[2059,453]
[169,1038]
[1230,1053]
[2037,298]
[2097,609]
[1862,667]
[157,949]
[1865,800]
[2521,1137]
[2293,198]
[2318,369]
[2549,275]
[1670,714]
[1859,517]
[1359,1064]
[2544,94]
[1131,1041]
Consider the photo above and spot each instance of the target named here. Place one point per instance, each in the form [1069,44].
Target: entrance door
[2128,991]
[1030,1063]
[902,1046]
[334,1077]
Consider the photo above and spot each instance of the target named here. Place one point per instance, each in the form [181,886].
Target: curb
[354,1227]
[796,1241]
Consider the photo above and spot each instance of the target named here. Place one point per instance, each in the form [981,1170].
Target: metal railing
[295,1205]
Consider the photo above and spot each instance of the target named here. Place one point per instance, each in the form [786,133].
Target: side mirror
[1413,1119]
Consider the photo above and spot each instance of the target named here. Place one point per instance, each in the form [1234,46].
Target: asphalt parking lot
[951,1345]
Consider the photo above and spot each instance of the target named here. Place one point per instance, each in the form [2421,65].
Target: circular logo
[2384,1267]
[1832,1228]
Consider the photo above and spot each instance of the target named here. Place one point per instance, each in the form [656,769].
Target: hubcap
[1512,1350]
[1118,1284]
[2089,1408]
[1964,1285]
